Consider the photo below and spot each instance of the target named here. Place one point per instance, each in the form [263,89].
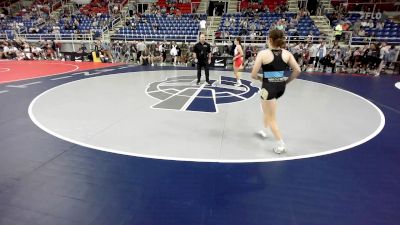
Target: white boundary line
[184,107]
[369,137]
[23,85]
[6,70]
[397,85]
[60,78]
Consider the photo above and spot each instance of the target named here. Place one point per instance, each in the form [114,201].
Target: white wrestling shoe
[279,149]
[238,83]
[262,134]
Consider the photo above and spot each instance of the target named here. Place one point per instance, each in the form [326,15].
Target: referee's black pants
[201,64]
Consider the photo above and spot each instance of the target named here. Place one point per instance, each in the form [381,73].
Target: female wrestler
[274,61]
[238,60]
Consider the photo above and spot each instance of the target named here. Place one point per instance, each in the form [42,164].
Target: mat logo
[180,93]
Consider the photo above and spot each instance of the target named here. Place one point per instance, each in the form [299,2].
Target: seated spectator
[361,33]
[293,22]
[215,50]
[346,26]
[11,52]
[243,23]
[391,56]
[82,49]
[218,35]
[133,26]
[329,61]
[145,57]
[95,23]
[380,25]
[280,25]
[364,24]
[2,16]
[115,9]
[310,36]
[357,26]
[253,26]
[227,23]
[155,26]
[104,49]
[232,20]
[178,13]
[37,52]
[163,10]
[371,24]
[297,51]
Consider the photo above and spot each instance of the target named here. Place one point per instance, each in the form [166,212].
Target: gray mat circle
[115,114]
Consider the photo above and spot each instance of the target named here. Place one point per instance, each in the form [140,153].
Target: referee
[202,55]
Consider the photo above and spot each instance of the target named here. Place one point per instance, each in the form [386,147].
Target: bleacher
[358,5]
[183,7]
[390,33]
[185,28]
[94,7]
[6,34]
[84,27]
[305,24]
[272,4]
[85,23]
[7,25]
[19,19]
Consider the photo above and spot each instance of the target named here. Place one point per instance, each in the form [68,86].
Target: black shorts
[311,60]
[272,89]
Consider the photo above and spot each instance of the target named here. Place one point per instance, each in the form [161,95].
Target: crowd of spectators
[19,49]
[254,27]
[170,9]
[344,27]
[371,59]
[258,6]
[29,19]
[111,7]
[151,53]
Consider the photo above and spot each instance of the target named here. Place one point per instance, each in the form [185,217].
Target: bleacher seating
[7,25]
[272,4]
[100,6]
[183,7]
[94,7]
[358,5]
[169,28]
[390,33]
[7,33]
[85,23]
[305,24]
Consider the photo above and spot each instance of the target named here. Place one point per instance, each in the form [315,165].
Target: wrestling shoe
[279,149]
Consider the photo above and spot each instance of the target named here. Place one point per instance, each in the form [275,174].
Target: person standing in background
[202,55]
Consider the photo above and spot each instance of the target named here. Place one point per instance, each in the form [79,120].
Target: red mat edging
[12,71]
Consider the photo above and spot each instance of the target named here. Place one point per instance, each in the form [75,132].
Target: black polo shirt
[202,51]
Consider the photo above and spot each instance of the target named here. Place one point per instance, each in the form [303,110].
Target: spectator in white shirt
[203,24]
[321,53]
[364,24]
[371,24]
